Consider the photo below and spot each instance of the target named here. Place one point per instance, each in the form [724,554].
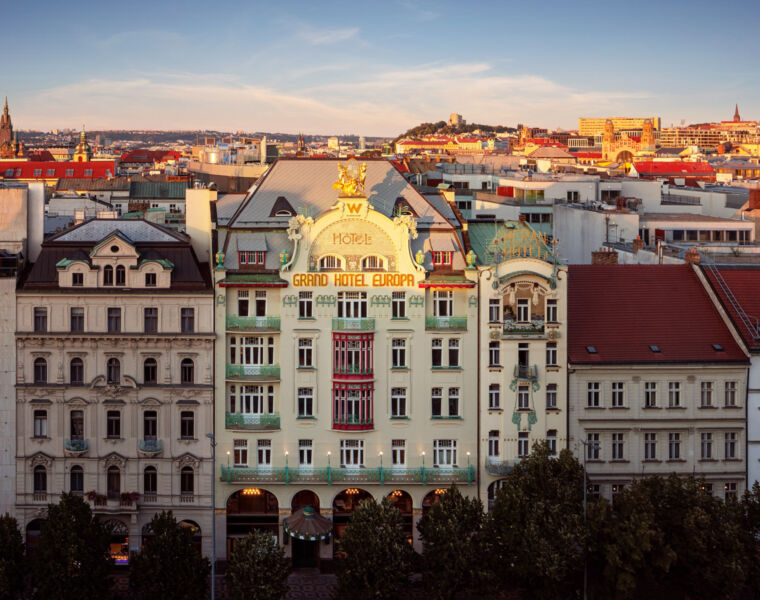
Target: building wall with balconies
[116,410]
[365,401]
[523,364]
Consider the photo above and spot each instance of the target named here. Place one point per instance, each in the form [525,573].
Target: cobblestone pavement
[305,584]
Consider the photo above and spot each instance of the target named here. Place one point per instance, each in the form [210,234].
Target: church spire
[736,114]
[5,108]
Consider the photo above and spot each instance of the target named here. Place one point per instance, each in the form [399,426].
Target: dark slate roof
[150,240]
[623,310]
[174,190]
[95,184]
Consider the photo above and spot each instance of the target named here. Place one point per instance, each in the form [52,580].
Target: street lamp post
[212,441]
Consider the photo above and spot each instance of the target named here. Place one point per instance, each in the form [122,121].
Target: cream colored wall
[634,421]
[501,420]
[419,430]
[132,398]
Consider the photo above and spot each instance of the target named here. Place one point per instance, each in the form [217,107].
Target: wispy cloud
[321,37]
[383,102]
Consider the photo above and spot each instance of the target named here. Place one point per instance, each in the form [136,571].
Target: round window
[114,249]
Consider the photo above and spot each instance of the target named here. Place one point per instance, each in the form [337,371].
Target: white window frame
[398,454]
[443,303]
[398,353]
[352,454]
[399,406]
[264,453]
[240,453]
[494,396]
[305,454]
[445,453]
[398,305]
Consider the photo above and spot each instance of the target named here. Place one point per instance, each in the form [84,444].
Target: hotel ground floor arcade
[269,507]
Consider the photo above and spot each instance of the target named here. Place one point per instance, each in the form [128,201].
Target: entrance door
[305,553]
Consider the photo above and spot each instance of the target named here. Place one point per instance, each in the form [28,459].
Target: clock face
[352,169]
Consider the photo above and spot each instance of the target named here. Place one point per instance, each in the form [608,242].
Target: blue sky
[374,67]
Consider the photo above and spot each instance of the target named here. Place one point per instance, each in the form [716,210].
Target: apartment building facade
[114,393]
[657,381]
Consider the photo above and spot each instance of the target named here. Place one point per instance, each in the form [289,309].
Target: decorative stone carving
[114,460]
[187,460]
[41,459]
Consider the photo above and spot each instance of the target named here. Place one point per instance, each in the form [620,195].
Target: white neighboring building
[21,216]
[735,291]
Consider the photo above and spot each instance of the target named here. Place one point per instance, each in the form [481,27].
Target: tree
[375,558]
[627,548]
[751,515]
[11,558]
[452,558]
[169,567]
[71,560]
[257,569]
[669,538]
[535,533]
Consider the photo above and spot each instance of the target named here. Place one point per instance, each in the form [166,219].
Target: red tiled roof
[587,154]
[41,155]
[149,156]
[674,167]
[622,310]
[56,170]
[744,284]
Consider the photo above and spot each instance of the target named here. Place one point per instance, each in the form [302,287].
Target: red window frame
[441,257]
[251,257]
[366,405]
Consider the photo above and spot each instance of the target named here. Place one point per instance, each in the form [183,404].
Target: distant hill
[443,128]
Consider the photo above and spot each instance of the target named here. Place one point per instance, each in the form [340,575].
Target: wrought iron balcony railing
[446,323]
[253,371]
[76,445]
[251,421]
[253,323]
[345,324]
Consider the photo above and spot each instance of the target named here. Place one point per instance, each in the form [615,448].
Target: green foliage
[257,569]
[169,567]
[443,128]
[71,560]
[626,546]
[452,559]
[667,538]
[535,531]
[375,558]
[11,558]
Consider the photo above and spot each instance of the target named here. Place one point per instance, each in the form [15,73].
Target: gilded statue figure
[351,179]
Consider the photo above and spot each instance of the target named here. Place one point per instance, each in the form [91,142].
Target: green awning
[307,524]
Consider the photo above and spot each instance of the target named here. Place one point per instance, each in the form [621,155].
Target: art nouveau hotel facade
[350,327]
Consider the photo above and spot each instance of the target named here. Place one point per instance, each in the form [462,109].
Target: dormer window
[77,279]
[373,263]
[121,275]
[251,258]
[150,280]
[108,275]
[330,263]
[441,258]
[283,213]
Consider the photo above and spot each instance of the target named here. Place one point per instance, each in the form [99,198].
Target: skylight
[717,347]
[654,348]
[591,349]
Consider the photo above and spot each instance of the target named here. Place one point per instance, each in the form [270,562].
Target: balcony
[354,422]
[150,447]
[526,372]
[519,329]
[500,468]
[341,324]
[235,323]
[251,421]
[352,370]
[421,476]
[254,371]
[433,323]
[76,447]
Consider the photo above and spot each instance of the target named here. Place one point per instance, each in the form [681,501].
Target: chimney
[638,244]
[692,256]
[604,256]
